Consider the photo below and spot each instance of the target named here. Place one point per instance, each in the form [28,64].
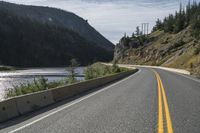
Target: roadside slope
[179,50]
[173,42]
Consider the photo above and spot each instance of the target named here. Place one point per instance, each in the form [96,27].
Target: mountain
[28,39]
[59,18]
[174,42]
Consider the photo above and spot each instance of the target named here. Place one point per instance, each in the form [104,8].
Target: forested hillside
[59,18]
[189,16]
[27,43]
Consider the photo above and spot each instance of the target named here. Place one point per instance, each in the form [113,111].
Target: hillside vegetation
[97,70]
[59,18]
[174,42]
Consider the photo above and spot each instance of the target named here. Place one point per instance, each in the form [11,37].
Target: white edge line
[177,73]
[181,74]
[189,77]
[69,105]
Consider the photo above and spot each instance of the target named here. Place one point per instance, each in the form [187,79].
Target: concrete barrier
[8,109]
[75,89]
[24,104]
[33,101]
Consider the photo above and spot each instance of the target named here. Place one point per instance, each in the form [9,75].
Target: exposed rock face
[120,49]
[124,45]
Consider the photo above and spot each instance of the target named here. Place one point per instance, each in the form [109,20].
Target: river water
[9,79]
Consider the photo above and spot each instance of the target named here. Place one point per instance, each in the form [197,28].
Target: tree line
[186,16]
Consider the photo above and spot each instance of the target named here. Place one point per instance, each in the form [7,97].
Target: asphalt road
[146,102]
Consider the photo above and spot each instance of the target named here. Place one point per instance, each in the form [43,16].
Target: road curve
[148,101]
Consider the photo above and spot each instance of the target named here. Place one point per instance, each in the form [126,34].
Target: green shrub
[71,80]
[39,84]
[25,88]
[99,70]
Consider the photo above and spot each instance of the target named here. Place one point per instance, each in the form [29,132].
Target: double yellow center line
[162,100]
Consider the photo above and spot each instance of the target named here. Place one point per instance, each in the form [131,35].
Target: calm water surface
[9,79]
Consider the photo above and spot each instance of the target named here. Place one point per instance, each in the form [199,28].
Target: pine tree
[188,13]
[158,26]
[180,20]
[137,31]
[190,16]
[169,23]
